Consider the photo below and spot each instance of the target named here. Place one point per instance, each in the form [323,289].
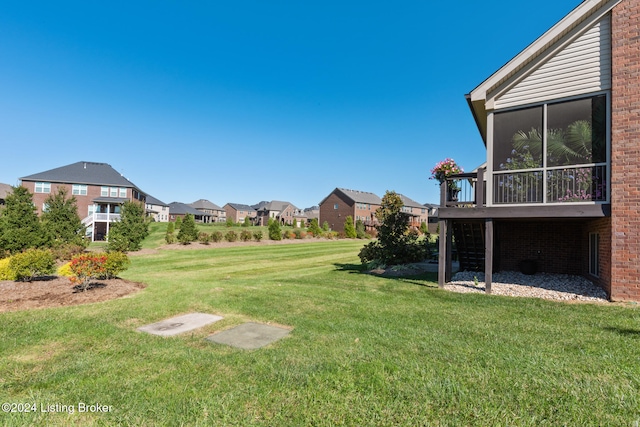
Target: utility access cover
[180,324]
[249,336]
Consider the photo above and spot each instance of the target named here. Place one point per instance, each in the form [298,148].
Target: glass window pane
[576,132]
[517,139]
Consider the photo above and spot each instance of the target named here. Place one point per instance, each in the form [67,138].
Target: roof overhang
[481,98]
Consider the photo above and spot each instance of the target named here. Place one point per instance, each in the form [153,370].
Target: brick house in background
[418,213]
[180,210]
[238,212]
[4,190]
[284,212]
[215,212]
[342,202]
[560,188]
[99,189]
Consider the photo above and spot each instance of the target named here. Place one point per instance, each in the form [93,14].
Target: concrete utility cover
[180,324]
[249,336]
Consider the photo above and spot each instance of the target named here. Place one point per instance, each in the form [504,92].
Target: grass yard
[364,350]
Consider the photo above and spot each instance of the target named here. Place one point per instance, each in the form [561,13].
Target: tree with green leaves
[360,229]
[128,233]
[349,227]
[275,232]
[396,244]
[188,231]
[247,221]
[61,221]
[20,226]
[314,228]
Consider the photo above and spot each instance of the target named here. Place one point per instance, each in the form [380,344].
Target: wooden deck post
[488,254]
[444,253]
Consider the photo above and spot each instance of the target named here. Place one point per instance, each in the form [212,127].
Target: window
[43,187]
[113,192]
[594,243]
[45,207]
[551,153]
[335,206]
[104,191]
[123,192]
[79,190]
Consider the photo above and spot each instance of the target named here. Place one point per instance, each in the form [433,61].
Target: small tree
[128,233]
[247,221]
[349,228]
[325,226]
[294,224]
[275,233]
[314,228]
[360,229]
[178,222]
[229,222]
[20,227]
[61,221]
[188,231]
[424,229]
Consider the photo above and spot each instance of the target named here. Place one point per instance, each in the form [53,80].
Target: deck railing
[463,190]
[101,217]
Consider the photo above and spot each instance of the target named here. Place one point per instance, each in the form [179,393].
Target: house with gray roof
[284,212]
[342,202]
[238,212]
[99,189]
[178,209]
[157,209]
[217,214]
[417,212]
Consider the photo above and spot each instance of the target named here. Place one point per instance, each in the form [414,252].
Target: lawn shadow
[411,276]
[623,331]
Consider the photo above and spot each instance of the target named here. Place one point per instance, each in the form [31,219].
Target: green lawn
[364,350]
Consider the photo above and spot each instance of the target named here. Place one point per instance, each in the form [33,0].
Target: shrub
[247,221]
[188,231]
[5,271]
[360,230]
[325,226]
[128,233]
[116,263]
[171,227]
[67,251]
[229,222]
[87,267]
[216,236]
[257,235]
[178,222]
[231,236]
[299,234]
[204,238]
[424,229]
[314,228]
[169,238]
[245,235]
[32,263]
[349,227]
[275,233]
[65,270]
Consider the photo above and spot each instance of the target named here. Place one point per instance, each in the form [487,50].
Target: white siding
[581,67]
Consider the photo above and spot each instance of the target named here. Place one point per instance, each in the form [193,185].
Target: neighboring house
[418,213]
[177,209]
[157,209]
[312,212]
[99,189]
[283,212]
[432,212]
[341,203]
[238,212]
[217,214]
[561,127]
[4,190]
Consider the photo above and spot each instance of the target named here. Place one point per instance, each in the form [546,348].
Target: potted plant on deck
[441,171]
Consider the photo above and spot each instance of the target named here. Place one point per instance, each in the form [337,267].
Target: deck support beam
[488,254]
[444,252]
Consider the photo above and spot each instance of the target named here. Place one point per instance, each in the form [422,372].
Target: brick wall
[336,217]
[603,228]
[625,152]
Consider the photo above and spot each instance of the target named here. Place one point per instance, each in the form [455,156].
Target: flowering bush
[87,267]
[445,168]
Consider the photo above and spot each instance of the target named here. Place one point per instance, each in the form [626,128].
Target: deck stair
[469,242]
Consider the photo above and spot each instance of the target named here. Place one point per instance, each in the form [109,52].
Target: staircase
[469,242]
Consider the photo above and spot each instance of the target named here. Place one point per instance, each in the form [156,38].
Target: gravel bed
[559,287]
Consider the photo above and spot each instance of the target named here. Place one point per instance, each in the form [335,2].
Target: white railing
[101,217]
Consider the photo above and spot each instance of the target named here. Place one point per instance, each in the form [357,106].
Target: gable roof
[357,196]
[153,201]
[177,208]
[547,45]
[410,203]
[240,207]
[205,204]
[274,205]
[90,173]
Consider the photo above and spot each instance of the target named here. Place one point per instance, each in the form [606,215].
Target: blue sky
[254,100]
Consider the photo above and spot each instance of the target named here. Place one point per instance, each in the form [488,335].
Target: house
[217,214]
[99,189]
[237,212]
[312,212]
[177,209]
[156,209]
[284,212]
[417,213]
[432,214]
[561,127]
[341,203]
[4,190]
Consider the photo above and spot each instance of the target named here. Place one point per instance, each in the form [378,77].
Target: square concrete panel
[249,336]
[180,324]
